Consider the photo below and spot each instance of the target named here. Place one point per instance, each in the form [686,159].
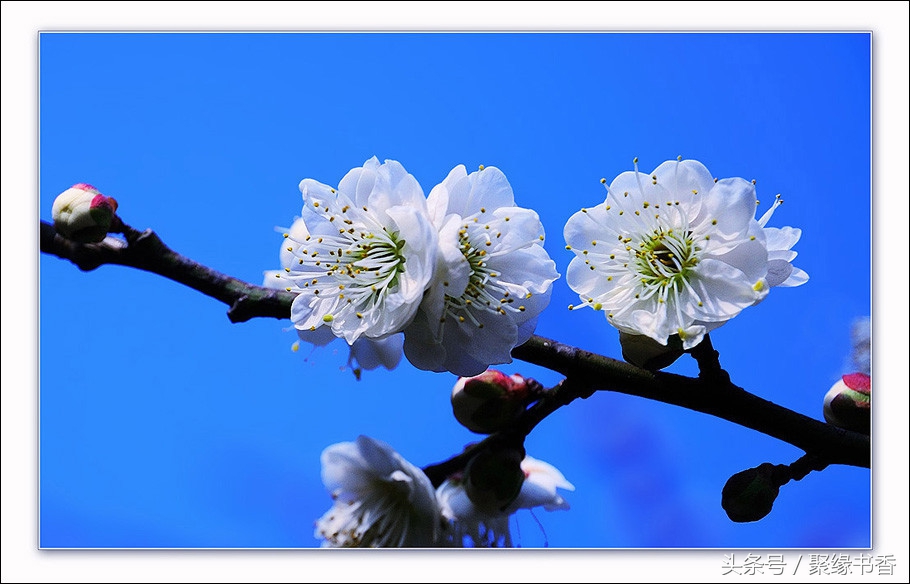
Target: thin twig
[144,250]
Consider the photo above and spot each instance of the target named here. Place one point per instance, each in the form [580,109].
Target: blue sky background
[164,425]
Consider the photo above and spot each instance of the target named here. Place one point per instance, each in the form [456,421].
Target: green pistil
[665,258]
[388,250]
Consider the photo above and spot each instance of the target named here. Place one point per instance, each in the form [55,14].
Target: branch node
[237,312]
[708,360]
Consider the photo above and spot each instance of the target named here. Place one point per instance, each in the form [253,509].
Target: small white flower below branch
[475,524]
[382,500]
[379,498]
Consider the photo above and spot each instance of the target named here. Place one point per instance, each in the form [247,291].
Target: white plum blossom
[367,254]
[364,353]
[485,529]
[380,499]
[493,276]
[676,252]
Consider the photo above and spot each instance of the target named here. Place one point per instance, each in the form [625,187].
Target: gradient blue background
[164,425]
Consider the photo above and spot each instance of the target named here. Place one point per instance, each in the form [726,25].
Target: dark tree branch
[712,393]
[145,251]
[708,361]
[710,396]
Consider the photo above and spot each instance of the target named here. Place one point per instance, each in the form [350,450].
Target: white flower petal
[490,188]
[723,289]
[782,238]
[687,179]
[797,278]
[372,353]
[749,257]
[778,272]
[423,346]
[731,203]
[631,190]
[594,226]
[440,195]
[358,182]
[320,337]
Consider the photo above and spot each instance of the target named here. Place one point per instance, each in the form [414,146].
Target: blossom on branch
[478,526]
[367,254]
[364,353]
[493,276]
[676,252]
[380,499]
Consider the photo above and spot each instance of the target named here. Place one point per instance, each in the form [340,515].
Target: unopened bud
[83,214]
[647,353]
[493,479]
[492,400]
[750,494]
[848,403]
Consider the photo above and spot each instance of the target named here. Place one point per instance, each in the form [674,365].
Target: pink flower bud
[490,401]
[83,214]
[848,402]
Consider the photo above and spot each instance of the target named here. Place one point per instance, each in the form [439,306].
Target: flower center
[368,267]
[371,260]
[665,258]
[361,266]
[483,292]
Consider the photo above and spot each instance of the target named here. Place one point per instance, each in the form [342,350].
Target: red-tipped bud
[83,214]
[490,401]
[848,403]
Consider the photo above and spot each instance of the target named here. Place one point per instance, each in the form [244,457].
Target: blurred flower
[83,214]
[861,335]
[493,276]
[367,255]
[491,401]
[380,499]
[480,527]
[676,252]
[364,353]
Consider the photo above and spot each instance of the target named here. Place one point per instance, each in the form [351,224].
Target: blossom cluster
[458,277]
[382,500]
